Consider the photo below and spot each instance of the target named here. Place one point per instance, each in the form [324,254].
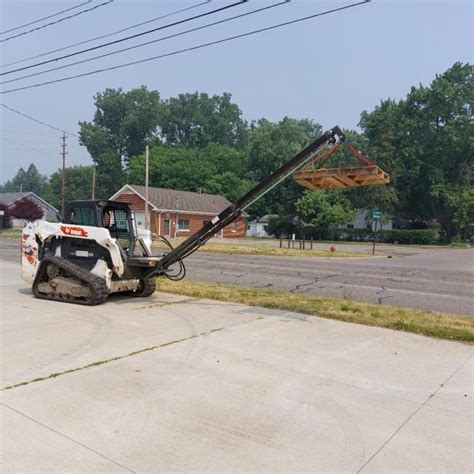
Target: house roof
[181,201]
[10,198]
[264,219]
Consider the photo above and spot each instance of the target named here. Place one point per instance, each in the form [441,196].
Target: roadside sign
[376,215]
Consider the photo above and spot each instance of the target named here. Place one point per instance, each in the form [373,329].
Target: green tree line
[425,141]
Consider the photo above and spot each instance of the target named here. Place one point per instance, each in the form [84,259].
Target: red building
[175,213]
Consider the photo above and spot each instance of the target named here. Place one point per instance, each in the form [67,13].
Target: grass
[265,250]
[11,233]
[428,323]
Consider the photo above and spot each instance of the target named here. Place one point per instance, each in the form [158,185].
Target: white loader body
[38,232]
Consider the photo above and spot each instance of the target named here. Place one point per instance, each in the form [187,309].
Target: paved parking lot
[175,384]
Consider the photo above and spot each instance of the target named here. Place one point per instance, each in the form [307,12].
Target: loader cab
[114,216]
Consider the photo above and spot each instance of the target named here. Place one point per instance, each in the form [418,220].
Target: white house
[363,220]
[256,228]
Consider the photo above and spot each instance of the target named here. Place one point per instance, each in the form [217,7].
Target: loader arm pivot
[234,211]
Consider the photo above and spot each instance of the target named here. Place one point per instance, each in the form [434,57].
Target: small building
[10,199]
[363,220]
[258,227]
[174,213]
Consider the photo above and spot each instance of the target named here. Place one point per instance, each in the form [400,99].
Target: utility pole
[146,187]
[93,182]
[63,172]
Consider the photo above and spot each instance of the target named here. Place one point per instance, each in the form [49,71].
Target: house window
[183,225]
[350,226]
[233,227]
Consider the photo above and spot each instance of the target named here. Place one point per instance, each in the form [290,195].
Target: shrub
[26,209]
[394,236]
[406,236]
[280,227]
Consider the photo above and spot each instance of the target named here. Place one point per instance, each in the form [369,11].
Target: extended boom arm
[234,211]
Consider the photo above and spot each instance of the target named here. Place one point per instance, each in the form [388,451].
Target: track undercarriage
[61,280]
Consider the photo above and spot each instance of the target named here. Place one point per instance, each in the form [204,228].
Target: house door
[167,228]
[140,220]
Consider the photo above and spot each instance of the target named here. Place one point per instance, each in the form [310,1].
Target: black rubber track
[95,283]
[147,288]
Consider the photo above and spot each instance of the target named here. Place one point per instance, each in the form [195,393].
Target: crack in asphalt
[261,287]
[380,299]
[301,285]
[311,285]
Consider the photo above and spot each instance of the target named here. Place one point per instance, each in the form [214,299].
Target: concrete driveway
[175,384]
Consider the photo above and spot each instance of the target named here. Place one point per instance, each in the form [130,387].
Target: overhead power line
[44,18]
[11,109]
[283,2]
[107,35]
[192,48]
[18,143]
[137,35]
[57,21]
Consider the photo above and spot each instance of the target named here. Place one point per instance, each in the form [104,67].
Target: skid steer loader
[96,249]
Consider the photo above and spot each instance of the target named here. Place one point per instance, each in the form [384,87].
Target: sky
[328,69]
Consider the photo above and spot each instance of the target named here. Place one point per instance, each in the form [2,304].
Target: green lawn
[428,323]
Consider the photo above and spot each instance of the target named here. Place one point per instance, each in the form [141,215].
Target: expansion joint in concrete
[63,435]
[124,356]
[422,405]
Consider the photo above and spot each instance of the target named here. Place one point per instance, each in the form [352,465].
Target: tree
[227,184]
[197,120]
[172,167]
[269,146]
[325,208]
[26,209]
[124,122]
[30,180]
[78,184]
[426,143]
[216,169]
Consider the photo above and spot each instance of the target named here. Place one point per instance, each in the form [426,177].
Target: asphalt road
[429,279]
[437,280]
